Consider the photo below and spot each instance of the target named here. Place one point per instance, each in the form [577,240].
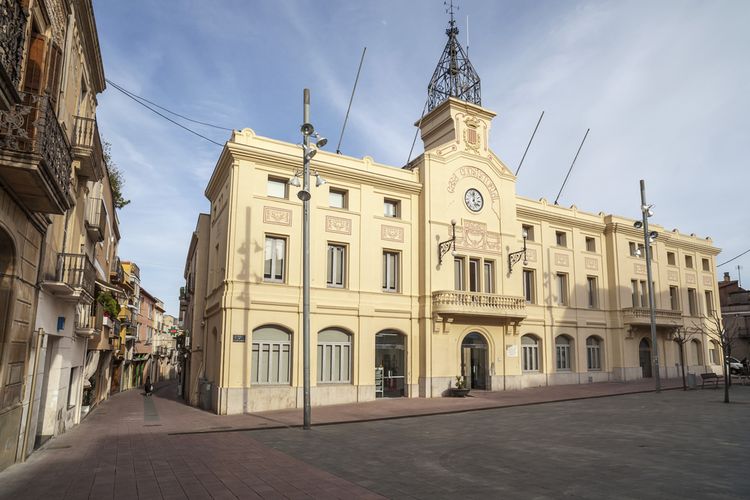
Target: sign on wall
[238,338]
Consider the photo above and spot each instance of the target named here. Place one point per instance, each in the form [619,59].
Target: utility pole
[304,195]
[647,238]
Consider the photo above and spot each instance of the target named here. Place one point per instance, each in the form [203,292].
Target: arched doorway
[474,361]
[390,364]
[644,356]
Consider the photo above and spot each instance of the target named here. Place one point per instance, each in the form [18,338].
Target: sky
[662,86]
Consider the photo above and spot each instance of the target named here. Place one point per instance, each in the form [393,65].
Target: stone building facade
[421,274]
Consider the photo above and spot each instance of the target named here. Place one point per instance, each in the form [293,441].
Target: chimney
[727,279]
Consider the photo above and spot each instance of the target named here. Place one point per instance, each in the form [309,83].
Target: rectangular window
[336,275]
[392,208]
[590,244]
[706,265]
[334,362]
[276,188]
[644,294]
[271,362]
[275,257]
[561,238]
[709,303]
[474,266]
[594,356]
[692,302]
[489,276]
[592,292]
[671,259]
[634,293]
[562,289]
[529,231]
[674,298]
[689,261]
[563,356]
[337,198]
[531,358]
[633,249]
[458,273]
[390,271]
[528,285]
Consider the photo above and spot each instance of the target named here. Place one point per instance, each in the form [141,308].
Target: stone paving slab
[136,447]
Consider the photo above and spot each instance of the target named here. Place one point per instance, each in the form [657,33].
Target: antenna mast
[529,144]
[346,118]
[571,165]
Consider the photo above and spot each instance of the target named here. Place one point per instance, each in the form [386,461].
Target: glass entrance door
[474,361]
[390,355]
[644,355]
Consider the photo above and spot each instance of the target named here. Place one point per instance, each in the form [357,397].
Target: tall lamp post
[308,151]
[648,238]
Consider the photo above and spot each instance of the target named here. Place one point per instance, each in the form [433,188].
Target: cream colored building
[392,314]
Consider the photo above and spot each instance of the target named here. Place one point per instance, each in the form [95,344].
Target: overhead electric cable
[733,258]
[165,117]
[124,90]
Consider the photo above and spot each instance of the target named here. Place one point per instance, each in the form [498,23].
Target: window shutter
[34,65]
[53,73]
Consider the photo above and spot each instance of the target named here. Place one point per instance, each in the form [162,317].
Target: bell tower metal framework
[454,75]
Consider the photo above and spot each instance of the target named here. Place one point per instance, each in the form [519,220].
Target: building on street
[735,310]
[423,273]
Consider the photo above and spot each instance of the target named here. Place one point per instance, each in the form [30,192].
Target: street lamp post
[648,237]
[308,152]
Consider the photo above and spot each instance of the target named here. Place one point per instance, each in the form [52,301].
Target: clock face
[474,200]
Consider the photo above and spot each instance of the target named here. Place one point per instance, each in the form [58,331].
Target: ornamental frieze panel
[690,279]
[562,260]
[474,236]
[708,280]
[392,233]
[278,216]
[673,276]
[591,264]
[338,225]
[639,268]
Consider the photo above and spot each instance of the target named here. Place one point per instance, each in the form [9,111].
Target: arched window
[594,353]
[562,353]
[714,349]
[271,358]
[334,356]
[530,347]
[696,356]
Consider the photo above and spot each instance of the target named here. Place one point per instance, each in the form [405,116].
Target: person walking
[148,386]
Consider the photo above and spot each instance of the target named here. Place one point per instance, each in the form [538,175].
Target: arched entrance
[644,356]
[390,364]
[474,361]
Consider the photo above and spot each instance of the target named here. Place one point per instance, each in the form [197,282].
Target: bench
[711,377]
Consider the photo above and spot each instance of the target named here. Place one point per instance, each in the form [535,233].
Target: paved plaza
[541,443]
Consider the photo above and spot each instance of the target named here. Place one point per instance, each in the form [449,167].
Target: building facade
[735,310]
[58,228]
[422,274]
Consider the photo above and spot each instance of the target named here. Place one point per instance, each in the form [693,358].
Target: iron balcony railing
[87,147]
[12,28]
[31,129]
[77,271]
[96,219]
